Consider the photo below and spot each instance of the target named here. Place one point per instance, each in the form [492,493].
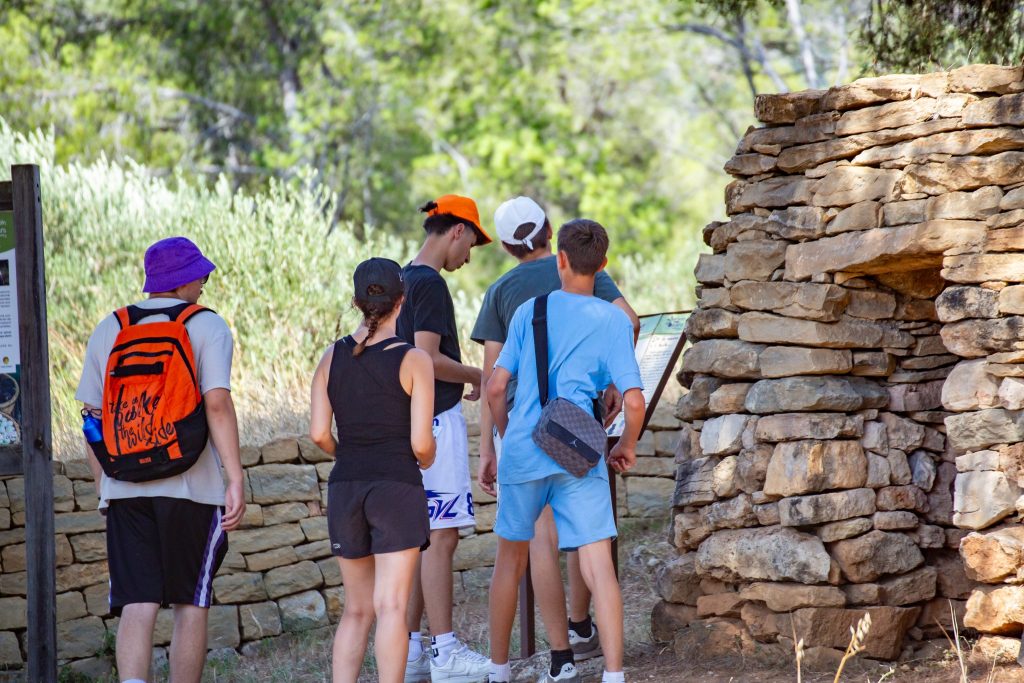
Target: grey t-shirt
[522,283]
[213,348]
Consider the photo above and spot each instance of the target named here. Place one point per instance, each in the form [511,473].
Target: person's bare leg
[188,643]
[356,618]
[579,594]
[393,580]
[509,567]
[599,574]
[135,640]
[547,580]
[414,613]
[436,579]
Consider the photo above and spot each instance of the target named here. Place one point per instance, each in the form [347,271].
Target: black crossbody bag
[571,436]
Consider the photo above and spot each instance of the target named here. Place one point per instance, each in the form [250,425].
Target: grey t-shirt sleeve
[604,287]
[213,347]
[489,326]
[90,386]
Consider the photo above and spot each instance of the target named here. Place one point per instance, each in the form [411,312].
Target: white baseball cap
[514,213]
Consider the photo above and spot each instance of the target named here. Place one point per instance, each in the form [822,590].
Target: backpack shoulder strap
[186,312]
[540,345]
[123,317]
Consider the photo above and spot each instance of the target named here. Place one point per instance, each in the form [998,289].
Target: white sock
[442,646]
[613,677]
[415,647]
[501,672]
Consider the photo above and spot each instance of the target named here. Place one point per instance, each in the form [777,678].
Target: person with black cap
[379,390]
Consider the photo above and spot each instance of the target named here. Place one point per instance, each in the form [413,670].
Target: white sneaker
[463,666]
[418,670]
[568,674]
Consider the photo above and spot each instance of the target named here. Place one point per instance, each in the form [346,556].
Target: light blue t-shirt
[590,345]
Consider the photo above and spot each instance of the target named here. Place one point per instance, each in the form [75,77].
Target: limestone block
[786,597]
[723,435]
[80,575]
[734,513]
[335,599]
[695,404]
[981,499]
[79,522]
[257,540]
[862,593]
[904,212]
[277,557]
[312,453]
[984,78]
[260,620]
[994,556]
[809,466]
[719,605]
[798,426]
[891,115]
[79,638]
[978,461]
[715,297]
[873,364]
[954,142]
[825,393]
[767,514]
[992,650]
[754,260]
[778,192]
[922,469]
[871,305]
[646,497]
[995,111]
[830,627]
[695,482]
[998,610]
[940,498]
[879,472]
[798,222]
[752,467]
[13,613]
[710,269]
[283,483]
[749,164]
[715,637]
[846,528]
[787,107]
[331,571]
[860,216]
[10,651]
[303,612]
[899,467]
[222,627]
[676,580]
[314,528]
[687,531]
[884,249]
[723,358]
[963,173]
[239,587]
[972,268]
[478,551]
[978,430]
[785,361]
[892,88]
[668,618]
[1013,199]
[729,398]
[285,450]
[792,299]
[958,303]
[1010,300]
[970,387]
[826,507]
[284,513]
[847,185]
[724,481]
[896,520]
[876,554]
[711,323]
[766,553]
[928,536]
[917,586]
[902,498]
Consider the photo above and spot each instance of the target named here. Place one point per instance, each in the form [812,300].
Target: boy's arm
[634,319]
[496,387]
[623,455]
[446,369]
[487,471]
[220,414]
[94,464]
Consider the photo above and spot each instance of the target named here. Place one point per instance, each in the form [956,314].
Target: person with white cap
[525,232]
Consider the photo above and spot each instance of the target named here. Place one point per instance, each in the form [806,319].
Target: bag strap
[540,345]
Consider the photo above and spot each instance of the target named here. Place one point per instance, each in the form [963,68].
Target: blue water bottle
[92,427]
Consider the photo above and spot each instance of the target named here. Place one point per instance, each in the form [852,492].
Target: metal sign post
[25,362]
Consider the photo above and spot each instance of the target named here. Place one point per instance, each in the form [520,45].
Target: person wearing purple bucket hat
[167,536]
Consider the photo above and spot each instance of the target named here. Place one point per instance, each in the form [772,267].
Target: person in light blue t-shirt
[590,346]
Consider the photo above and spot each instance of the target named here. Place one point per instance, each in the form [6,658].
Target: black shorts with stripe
[163,550]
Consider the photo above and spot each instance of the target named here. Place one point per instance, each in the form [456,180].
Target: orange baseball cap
[461,207]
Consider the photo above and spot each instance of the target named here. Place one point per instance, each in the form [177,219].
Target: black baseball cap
[382,272]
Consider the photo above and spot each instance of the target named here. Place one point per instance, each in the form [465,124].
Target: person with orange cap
[428,320]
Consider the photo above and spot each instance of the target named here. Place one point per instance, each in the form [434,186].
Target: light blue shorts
[582,507]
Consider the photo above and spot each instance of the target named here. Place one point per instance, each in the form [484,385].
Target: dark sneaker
[585,648]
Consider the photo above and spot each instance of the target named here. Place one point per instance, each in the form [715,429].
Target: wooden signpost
[25,362]
[658,347]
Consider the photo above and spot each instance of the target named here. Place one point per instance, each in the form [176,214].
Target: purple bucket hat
[173,262]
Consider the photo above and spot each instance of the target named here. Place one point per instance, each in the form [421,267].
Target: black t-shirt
[428,307]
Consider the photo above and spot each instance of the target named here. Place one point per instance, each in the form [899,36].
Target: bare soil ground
[306,657]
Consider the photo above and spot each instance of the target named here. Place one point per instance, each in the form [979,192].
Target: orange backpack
[154,421]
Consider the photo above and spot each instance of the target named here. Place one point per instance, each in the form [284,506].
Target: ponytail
[372,321]
[374,313]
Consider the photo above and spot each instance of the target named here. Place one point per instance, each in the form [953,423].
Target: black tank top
[371,412]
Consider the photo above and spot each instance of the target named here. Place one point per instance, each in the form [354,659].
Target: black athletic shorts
[373,517]
[163,550]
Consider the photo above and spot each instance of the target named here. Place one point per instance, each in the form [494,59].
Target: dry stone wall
[853,419]
[278,576]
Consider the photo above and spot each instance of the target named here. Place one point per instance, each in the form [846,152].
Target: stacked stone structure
[278,576]
[856,379]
